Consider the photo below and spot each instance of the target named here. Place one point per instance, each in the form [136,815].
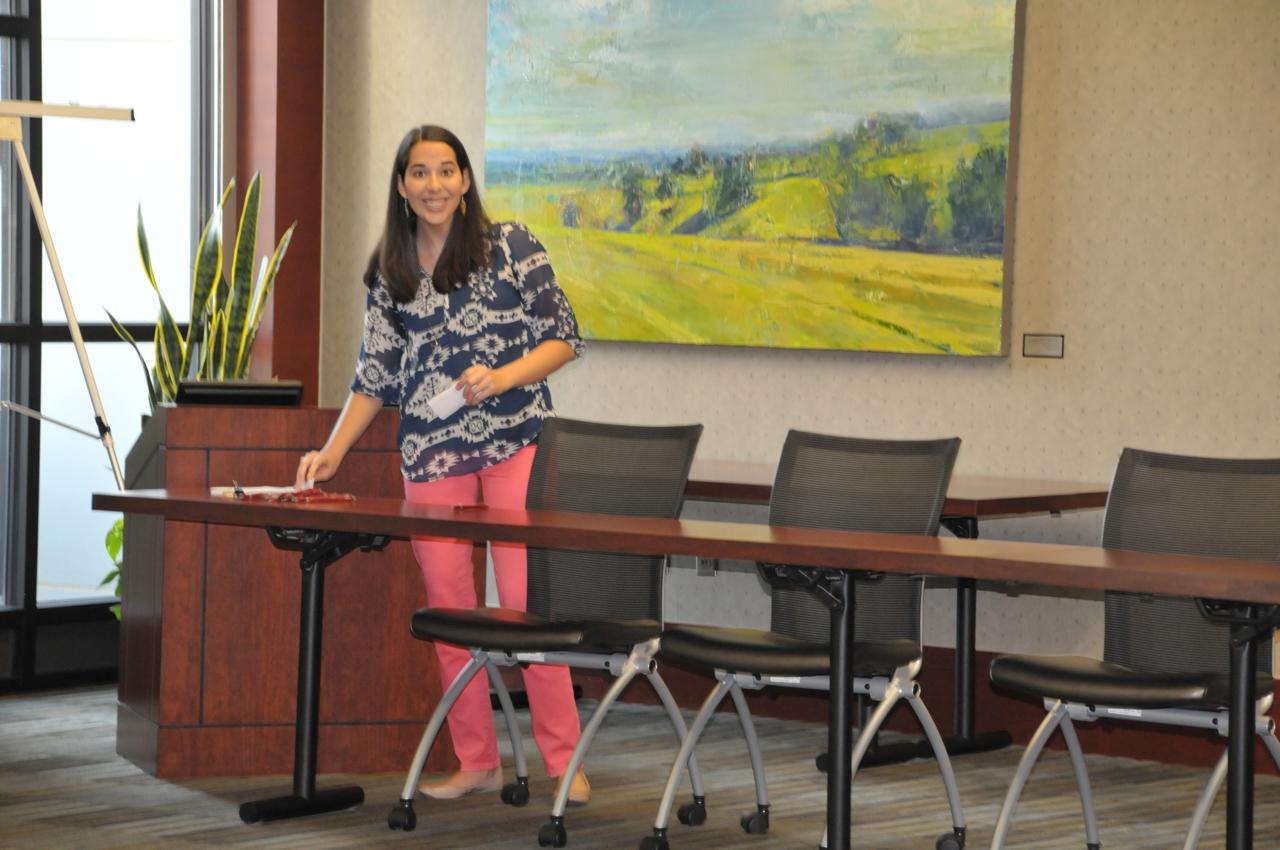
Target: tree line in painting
[892,183]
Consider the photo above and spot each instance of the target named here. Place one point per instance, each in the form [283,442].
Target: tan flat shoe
[580,789]
[464,782]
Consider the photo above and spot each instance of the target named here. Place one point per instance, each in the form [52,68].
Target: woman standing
[456,303]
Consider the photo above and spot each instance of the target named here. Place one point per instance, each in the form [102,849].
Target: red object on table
[314,496]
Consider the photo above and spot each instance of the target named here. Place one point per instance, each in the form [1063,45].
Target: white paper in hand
[445,403]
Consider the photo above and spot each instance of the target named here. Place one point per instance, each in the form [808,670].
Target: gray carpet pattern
[63,786]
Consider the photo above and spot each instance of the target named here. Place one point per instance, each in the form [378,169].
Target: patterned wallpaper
[1147,232]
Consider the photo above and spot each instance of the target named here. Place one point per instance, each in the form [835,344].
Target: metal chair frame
[1064,715]
[1175,503]
[581,649]
[826,500]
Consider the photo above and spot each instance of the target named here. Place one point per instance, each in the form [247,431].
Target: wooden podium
[209,633]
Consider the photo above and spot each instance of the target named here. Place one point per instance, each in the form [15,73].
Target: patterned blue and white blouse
[412,351]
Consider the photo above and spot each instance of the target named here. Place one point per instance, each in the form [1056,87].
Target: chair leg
[1213,785]
[940,756]
[1082,783]
[628,672]
[868,736]
[513,793]
[1272,745]
[678,724]
[705,713]
[1029,756]
[753,751]
[1205,802]
[479,659]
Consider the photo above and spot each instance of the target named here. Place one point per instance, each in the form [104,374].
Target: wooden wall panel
[385,674]
[279,113]
[139,652]
[266,750]
[208,678]
[182,612]
[250,650]
[141,603]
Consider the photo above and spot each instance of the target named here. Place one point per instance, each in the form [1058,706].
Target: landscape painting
[817,174]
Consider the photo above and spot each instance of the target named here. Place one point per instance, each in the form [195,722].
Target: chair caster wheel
[516,793]
[652,842]
[693,814]
[757,822]
[552,834]
[402,816]
[948,841]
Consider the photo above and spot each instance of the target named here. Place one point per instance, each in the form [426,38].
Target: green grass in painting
[791,208]
[696,289]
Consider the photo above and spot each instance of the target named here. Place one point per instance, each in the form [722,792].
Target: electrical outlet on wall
[708,566]
[1052,346]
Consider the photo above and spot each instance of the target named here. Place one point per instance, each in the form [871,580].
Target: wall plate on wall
[1043,345]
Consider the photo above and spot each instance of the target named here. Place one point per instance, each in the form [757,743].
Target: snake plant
[226,310]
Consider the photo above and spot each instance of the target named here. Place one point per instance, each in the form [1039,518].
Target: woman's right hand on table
[315,466]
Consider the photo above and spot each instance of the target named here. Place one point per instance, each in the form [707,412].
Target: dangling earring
[463,206]
[408,213]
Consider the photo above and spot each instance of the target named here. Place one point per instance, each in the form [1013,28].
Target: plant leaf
[115,543]
[145,251]
[217,367]
[204,369]
[168,341]
[217,330]
[209,356]
[241,298]
[244,345]
[124,334]
[205,275]
[165,378]
[266,281]
[207,268]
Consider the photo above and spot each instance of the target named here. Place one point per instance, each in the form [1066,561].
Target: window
[162,59]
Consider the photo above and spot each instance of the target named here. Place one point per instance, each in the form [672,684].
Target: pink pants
[447,571]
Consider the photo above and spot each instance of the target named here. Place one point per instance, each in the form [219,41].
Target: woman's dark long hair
[466,248]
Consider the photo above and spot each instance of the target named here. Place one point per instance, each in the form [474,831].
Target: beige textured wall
[389,65]
[1147,230]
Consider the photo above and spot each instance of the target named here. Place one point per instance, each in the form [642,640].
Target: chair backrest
[593,467]
[895,486]
[1189,506]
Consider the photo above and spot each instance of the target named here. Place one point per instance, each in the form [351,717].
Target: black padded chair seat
[490,628]
[1073,678]
[618,635]
[760,651]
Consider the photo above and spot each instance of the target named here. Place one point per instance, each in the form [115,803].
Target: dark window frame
[21,618]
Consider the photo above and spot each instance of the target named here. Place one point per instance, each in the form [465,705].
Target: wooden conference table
[325,532]
[970,499]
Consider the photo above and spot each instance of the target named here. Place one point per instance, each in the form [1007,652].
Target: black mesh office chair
[839,483]
[1163,661]
[593,468]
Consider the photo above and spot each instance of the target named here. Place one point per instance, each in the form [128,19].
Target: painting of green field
[828,175]
[714,291]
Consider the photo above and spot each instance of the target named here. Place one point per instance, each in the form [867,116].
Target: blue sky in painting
[599,76]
